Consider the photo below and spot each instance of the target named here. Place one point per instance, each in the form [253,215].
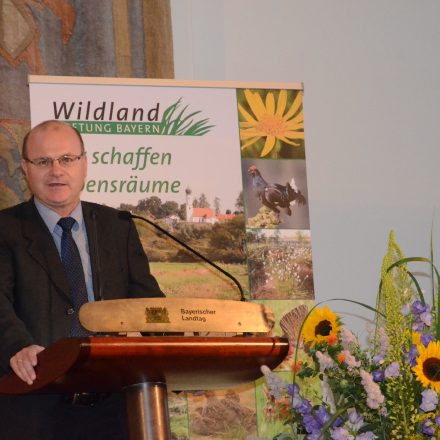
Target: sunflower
[427,369]
[271,122]
[320,326]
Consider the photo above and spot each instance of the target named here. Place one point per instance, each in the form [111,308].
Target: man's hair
[42,126]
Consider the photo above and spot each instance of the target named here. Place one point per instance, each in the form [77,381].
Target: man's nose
[55,167]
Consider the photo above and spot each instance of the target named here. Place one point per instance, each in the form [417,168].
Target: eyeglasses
[66,160]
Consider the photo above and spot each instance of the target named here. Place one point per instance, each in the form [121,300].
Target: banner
[220,165]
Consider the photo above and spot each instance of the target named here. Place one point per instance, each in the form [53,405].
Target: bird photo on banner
[275,193]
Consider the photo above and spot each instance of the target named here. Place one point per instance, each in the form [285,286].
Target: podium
[144,368]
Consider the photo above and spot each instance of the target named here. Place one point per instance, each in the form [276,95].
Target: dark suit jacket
[34,293]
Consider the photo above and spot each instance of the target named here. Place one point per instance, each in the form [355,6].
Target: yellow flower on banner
[321,326]
[427,369]
[271,121]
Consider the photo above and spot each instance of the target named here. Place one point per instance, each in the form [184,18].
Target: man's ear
[24,166]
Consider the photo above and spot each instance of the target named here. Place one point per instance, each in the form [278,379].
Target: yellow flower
[427,369]
[320,326]
[415,336]
[270,121]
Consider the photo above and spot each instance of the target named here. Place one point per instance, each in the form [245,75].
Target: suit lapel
[41,247]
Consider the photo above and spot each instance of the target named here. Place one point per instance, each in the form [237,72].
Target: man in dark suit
[36,296]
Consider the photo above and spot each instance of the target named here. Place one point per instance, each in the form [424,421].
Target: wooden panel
[122,38]
[158,38]
[176,315]
[103,364]
[46,79]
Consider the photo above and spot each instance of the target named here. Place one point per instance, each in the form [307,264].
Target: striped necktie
[74,272]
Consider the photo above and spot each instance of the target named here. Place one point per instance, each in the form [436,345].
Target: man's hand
[23,363]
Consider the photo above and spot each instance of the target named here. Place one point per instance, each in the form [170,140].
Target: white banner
[145,140]
[223,166]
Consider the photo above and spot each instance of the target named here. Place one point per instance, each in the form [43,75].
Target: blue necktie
[74,272]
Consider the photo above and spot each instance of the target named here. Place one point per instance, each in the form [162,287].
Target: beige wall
[372,86]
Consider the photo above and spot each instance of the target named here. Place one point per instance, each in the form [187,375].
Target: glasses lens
[66,161]
[43,162]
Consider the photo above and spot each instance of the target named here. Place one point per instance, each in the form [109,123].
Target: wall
[371,74]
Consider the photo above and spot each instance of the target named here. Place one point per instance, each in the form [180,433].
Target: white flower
[350,360]
[324,360]
[375,397]
[277,386]
[348,339]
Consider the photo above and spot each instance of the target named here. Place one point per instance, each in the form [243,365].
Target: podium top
[108,364]
[177,315]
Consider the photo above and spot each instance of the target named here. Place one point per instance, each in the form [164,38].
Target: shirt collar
[51,218]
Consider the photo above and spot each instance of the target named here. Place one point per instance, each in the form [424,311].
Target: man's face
[58,187]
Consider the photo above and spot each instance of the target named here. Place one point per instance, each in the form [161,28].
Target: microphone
[96,259]
[128,215]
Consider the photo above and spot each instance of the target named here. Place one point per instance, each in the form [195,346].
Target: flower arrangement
[388,389]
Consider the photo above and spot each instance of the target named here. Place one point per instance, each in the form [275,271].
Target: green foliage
[395,291]
[191,280]
[180,124]
[285,437]
[154,206]
[170,208]
[265,218]
[239,203]
[178,410]
[401,404]
[226,241]
[201,202]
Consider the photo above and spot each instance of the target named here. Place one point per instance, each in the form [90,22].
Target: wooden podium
[146,367]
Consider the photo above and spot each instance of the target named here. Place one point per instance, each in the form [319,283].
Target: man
[38,303]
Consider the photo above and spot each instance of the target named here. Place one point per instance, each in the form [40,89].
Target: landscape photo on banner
[221,166]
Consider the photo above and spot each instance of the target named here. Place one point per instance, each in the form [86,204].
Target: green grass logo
[175,123]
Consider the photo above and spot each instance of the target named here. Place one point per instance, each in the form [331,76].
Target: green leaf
[181,124]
